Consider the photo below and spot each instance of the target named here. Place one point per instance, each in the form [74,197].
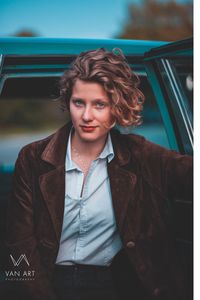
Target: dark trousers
[118,282]
[84,282]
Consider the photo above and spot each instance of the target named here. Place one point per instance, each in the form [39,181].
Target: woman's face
[90,110]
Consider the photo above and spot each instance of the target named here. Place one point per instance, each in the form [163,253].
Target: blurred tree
[156,20]
[26,33]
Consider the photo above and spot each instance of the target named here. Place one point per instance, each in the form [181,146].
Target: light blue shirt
[89,232]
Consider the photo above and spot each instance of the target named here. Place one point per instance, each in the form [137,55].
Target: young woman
[89,205]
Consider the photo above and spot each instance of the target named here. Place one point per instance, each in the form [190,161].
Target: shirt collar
[107,152]
[69,164]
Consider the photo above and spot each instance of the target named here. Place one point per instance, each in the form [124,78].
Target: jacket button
[130,244]
[156,292]
[142,268]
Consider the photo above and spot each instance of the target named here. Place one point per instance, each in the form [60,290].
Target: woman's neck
[87,148]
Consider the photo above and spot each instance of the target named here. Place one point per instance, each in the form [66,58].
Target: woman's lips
[88,128]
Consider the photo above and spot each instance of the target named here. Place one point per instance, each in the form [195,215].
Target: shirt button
[130,244]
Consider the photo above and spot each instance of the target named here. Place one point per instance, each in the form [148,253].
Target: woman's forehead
[86,88]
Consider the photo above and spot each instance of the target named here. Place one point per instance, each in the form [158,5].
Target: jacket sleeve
[21,239]
[179,176]
[169,171]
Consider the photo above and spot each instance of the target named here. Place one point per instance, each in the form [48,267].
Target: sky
[65,18]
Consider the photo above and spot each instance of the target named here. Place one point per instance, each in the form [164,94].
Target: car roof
[71,46]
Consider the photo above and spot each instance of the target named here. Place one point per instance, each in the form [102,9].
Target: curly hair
[112,71]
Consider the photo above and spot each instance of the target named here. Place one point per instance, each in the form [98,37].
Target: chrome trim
[1,63]
[2,81]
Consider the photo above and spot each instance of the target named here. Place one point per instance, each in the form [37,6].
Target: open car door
[170,72]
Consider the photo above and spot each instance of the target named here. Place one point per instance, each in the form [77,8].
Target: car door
[170,72]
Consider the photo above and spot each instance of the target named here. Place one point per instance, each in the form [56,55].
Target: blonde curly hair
[112,71]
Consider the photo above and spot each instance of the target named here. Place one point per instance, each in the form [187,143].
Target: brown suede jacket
[144,177]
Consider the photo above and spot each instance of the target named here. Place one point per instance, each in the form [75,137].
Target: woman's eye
[78,102]
[100,105]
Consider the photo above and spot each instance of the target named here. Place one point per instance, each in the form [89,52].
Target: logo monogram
[17,263]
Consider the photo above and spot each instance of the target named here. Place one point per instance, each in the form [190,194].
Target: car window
[183,70]
[177,77]
[152,126]
[29,112]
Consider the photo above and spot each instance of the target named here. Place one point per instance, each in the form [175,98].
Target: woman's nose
[87,114]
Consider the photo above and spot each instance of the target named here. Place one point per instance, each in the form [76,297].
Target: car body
[31,67]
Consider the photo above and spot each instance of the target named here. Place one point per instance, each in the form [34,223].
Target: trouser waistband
[80,275]
[84,267]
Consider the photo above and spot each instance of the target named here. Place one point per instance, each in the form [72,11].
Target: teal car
[30,69]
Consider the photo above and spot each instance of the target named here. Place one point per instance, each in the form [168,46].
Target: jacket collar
[122,153]
[55,151]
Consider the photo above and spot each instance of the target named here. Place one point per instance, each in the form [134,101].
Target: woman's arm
[169,171]
[21,237]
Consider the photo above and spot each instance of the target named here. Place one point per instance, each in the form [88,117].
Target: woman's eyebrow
[93,100]
[77,98]
[99,99]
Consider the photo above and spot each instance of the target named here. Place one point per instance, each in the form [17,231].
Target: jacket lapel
[122,181]
[52,183]
[52,186]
